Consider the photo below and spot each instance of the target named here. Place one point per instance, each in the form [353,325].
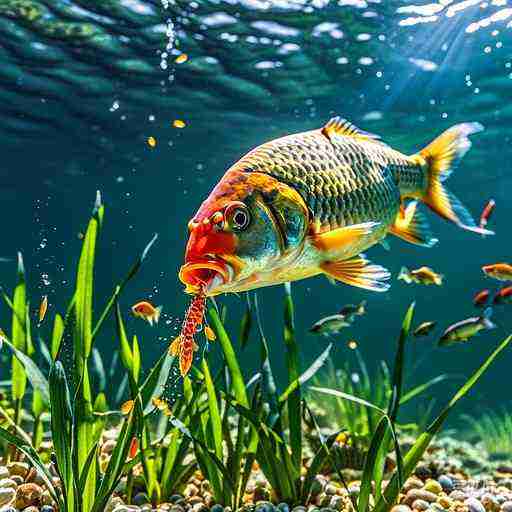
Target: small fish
[504,296]
[181,59]
[184,345]
[162,405]
[423,275]
[147,311]
[151,142]
[329,325]
[350,311]
[43,308]
[424,329]
[466,329]
[178,123]
[209,333]
[134,447]
[499,271]
[352,344]
[487,212]
[481,298]
[126,407]
[3,337]
[5,260]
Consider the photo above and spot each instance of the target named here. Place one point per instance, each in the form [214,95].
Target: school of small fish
[333,324]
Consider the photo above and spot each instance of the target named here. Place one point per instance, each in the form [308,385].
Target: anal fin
[340,237]
[358,272]
[412,226]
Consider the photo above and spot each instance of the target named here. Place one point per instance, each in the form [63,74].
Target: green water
[82,88]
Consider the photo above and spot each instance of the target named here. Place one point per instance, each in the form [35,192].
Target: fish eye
[238,216]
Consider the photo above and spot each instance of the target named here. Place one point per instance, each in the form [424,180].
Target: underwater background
[84,84]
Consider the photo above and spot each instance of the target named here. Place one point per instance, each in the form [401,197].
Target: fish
[209,333]
[151,142]
[161,405]
[481,298]
[424,329]
[466,329]
[487,212]
[184,345]
[352,344]
[43,308]
[312,203]
[147,311]
[134,447]
[422,275]
[332,324]
[503,296]
[5,260]
[127,407]
[178,123]
[181,58]
[350,311]
[499,271]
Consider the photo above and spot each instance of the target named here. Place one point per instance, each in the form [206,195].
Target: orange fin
[337,238]
[337,126]
[174,349]
[441,157]
[412,226]
[358,272]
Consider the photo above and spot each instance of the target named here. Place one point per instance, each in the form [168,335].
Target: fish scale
[343,182]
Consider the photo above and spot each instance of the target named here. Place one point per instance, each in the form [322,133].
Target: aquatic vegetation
[493,430]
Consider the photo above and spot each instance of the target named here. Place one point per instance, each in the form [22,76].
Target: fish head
[244,229]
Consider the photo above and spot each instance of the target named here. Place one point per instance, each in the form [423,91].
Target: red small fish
[184,345]
[481,298]
[134,446]
[487,212]
[147,311]
[504,296]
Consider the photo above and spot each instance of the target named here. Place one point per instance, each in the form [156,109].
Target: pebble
[31,509]
[7,495]
[337,502]
[412,483]
[300,508]
[18,479]
[445,502]
[9,509]
[420,505]
[4,472]
[217,508]
[474,505]
[282,507]
[419,494]
[506,506]
[140,499]
[201,507]
[458,495]
[28,494]
[331,490]
[264,507]
[433,486]
[175,497]
[8,482]
[18,468]
[446,483]
[176,508]
[401,508]
[47,508]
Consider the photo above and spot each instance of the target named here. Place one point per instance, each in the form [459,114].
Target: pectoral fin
[338,238]
[358,272]
[412,226]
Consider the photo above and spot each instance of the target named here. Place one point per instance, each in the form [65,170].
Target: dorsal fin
[337,126]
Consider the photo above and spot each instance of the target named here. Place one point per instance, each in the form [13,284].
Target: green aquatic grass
[493,430]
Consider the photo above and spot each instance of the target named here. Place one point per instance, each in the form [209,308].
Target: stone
[446,483]
[474,505]
[217,508]
[194,500]
[458,495]
[113,503]
[4,472]
[8,482]
[7,495]
[445,502]
[140,499]
[175,497]
[433,486]
[18,468]
[47,508]
[31,509]
[18,479]
[28,494]
[300,508]
[420,505]
[264,506]
[190,490]
[337,502]
[412,483]
[281,507]
[176,508]
[331,490]
[199,507]
[419,494]
[489,502]
[401,508]
[506,506]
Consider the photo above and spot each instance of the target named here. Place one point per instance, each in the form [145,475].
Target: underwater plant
[493,430]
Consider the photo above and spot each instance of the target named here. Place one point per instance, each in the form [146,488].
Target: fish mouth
[205,275]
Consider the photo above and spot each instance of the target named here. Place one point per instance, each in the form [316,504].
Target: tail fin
[486,319]
[404,275]
[442,156]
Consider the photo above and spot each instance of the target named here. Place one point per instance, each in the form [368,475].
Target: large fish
[311,203]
